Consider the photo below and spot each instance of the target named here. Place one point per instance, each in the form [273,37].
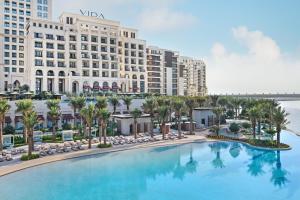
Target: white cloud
[264,68]
[164,19]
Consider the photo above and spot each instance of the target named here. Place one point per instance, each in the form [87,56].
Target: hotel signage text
[91,14]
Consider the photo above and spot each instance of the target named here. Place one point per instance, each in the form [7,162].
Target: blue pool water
[222,170]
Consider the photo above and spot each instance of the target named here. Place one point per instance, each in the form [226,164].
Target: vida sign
[91,14]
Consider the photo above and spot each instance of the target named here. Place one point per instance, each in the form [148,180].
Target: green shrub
[234,127]
[104,145]
[19,140]
[246,125]
[66,126]
[26,157]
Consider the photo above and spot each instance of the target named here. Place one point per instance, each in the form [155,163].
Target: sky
[249,46]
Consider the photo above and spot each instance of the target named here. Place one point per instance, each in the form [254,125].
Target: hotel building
[162,71]
[192,76]
[84,53]
[14,15]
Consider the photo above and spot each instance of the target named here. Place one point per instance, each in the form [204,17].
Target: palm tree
[136,113]
[88,113]
[30,119]
[214,100]
[179,108]
[54,115]
[253,114]
[149,108]
[104,116]
[127,101]
[74,104]
[191,103]
[218,111]
[4,108]
[236,103]
[24,107]
[114,101]
[163,113]
[101,103]
[280,120]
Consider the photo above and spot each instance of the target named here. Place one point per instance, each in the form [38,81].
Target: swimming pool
[215,171]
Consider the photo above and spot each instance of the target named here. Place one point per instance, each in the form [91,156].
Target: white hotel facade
[86,53]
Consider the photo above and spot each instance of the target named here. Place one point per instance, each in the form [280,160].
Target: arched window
[50,73]
[96,86]
[39,73]
[134,76]
[61,73]
[16,84]
[105,86]
[142,77]
[114,87]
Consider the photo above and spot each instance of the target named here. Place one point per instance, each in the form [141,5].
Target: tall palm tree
[253,114]
[24,107]
[88,113]
[136,113]
[236,102]
[74,104]
[114,101]
[4,108]
[179,108]
[127,101]
[149,107]
[218,111]
[163,113]
[280,121]
[54,115]
[101,103]
[30,119]
[104,115]
[191,104]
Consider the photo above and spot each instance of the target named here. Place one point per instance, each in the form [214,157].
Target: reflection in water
[235,150]
[216,148]
[279,174]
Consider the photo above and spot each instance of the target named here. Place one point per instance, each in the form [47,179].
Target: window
[21,70]
[6,69]
[60,46]
[38,62]
[50,46]
[38,53]
[49,37]
[39,45]
[60,38]
[50,54]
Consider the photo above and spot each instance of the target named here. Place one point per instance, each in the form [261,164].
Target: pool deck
[21,165]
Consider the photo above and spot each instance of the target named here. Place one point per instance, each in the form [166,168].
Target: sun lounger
[9,157]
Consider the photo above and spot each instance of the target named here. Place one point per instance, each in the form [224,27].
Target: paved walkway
[18,165]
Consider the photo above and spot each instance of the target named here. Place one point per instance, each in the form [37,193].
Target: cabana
[67,135]
[8,141]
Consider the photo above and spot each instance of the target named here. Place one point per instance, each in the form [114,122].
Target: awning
[67,116]
[8,119]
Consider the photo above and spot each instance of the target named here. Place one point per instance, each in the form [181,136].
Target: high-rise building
[192,76]
[14,14]
[83,54]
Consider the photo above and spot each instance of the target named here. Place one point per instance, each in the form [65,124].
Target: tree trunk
[151,128]
[74,123]
[163,130]
[135,129]
[218,128]
[53,132]
[278,137]
[191,122]
[100,130]
[179,127]
[90,137]
[25,135]
[104,134]
[1,136]
[29,144]
[253,127]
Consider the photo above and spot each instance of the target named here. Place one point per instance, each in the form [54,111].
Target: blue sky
[234,37]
